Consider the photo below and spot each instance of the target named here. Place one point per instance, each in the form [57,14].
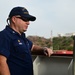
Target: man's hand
[48,52]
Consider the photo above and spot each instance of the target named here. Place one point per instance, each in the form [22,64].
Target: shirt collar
[10,29]
[14,32]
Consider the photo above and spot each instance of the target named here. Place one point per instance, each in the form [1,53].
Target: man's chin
[24,30]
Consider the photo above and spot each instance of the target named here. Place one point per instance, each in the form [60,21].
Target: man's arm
[41,50]
[4,70]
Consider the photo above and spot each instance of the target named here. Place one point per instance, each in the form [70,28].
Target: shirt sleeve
[4,45]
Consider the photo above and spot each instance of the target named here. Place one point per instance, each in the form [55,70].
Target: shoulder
[4,34]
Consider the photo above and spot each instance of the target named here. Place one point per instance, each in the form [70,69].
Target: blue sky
[55,15]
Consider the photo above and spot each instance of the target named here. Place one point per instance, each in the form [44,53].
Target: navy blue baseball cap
[21,11]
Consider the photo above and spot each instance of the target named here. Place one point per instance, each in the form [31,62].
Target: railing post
[74,56]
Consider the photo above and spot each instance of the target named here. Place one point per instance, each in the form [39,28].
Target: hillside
[59,43]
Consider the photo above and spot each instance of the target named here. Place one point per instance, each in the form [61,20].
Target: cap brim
[30,17]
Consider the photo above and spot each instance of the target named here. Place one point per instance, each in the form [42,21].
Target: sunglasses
[24,19]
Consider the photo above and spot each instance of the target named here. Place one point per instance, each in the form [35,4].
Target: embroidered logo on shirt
[18,40]
[13,32]
[20,43]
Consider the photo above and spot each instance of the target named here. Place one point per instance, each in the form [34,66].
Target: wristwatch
[45,50]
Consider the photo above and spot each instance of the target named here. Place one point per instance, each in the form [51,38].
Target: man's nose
[27,22]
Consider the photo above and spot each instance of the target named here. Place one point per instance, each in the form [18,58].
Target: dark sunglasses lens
[24,19]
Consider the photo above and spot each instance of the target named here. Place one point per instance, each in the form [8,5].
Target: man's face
[21,24]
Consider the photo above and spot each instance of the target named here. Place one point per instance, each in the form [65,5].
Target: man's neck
[15,29]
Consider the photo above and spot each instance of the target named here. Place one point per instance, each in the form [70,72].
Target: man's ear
[13,19]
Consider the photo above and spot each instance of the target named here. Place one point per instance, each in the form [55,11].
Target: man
[15,48]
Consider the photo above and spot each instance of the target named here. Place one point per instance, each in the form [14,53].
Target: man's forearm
[37,50]
[41,50]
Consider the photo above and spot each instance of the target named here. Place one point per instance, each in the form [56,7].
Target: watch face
[45,50]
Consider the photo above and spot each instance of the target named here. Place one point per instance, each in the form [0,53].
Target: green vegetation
[63,43]
[59,43]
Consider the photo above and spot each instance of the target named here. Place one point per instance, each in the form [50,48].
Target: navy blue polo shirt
[17,49]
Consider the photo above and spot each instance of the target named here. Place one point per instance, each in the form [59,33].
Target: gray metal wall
[54,65]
